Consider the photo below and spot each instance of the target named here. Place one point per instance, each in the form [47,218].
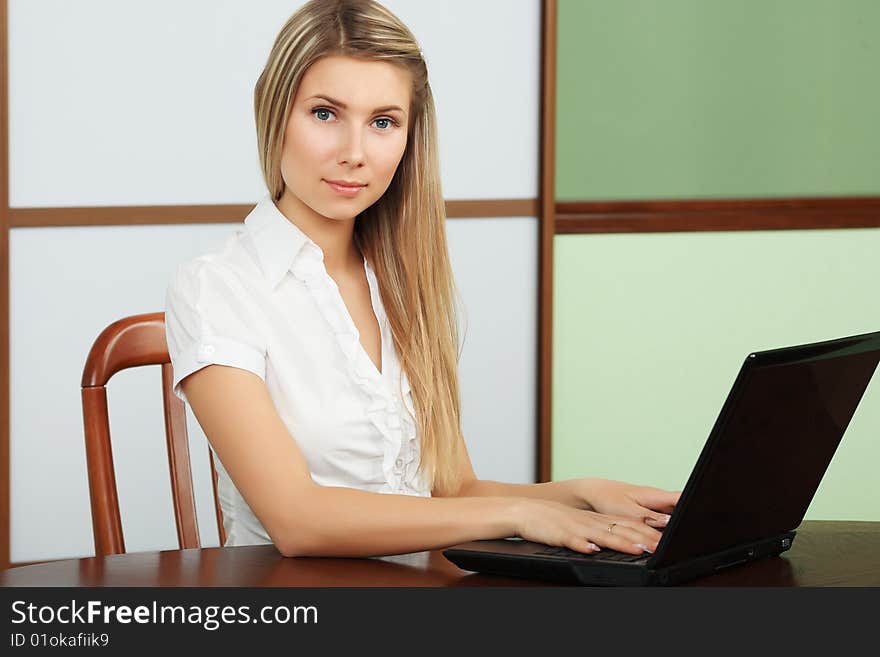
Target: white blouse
[265,303]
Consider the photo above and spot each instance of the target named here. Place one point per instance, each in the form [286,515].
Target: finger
[582,544]
[646,515]
[642,533]
[656,499]
[626,537]
[655,519]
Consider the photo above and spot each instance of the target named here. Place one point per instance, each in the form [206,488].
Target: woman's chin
[340,215]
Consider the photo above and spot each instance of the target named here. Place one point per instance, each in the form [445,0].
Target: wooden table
[825,553]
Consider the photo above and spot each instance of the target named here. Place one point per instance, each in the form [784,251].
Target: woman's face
[348,124]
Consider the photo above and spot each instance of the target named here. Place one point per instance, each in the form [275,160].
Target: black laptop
[759,469]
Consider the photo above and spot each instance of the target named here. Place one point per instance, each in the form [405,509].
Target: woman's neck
[335,237]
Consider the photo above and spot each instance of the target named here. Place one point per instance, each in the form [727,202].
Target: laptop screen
[770,446]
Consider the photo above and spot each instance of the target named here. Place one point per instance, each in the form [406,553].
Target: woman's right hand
[554,523]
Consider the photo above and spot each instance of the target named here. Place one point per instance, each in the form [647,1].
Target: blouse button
[399,463]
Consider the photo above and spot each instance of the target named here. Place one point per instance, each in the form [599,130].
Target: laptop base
[522,559]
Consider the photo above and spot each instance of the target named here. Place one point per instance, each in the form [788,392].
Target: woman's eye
[386,123]
[322,114]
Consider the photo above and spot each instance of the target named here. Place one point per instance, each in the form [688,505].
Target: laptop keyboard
[604,555]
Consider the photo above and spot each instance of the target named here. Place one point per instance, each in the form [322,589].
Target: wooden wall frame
[4,285]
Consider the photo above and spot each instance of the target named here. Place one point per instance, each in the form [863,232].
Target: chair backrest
[132,342]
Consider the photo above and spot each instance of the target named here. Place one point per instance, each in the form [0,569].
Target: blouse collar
[279,243]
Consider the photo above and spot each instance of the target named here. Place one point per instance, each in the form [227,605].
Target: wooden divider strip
[717,215]
[543,459]
[208,214]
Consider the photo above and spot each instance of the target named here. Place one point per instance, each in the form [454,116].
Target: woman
[318,348]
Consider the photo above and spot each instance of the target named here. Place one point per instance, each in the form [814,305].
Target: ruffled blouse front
[265,303]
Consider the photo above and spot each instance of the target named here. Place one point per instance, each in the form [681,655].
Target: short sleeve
[209,321]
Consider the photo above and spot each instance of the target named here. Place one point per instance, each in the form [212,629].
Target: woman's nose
[351,150]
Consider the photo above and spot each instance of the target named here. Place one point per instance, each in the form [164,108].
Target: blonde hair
[403,234]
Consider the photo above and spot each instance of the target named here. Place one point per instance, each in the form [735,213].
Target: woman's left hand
[644,503]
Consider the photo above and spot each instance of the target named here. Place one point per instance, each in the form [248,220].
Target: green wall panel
[712,98]
[650,331]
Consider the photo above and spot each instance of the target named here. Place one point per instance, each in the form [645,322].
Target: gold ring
[611,527]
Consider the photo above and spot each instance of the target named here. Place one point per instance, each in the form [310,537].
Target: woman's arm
[644,503]
[470,486]
[302,518]
[238,416]
[553,491]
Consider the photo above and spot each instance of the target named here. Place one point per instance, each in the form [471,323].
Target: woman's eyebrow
[339,103]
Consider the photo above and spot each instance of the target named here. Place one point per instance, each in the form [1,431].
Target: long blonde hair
[403,234]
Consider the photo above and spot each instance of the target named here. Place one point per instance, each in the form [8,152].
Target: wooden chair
[132,342]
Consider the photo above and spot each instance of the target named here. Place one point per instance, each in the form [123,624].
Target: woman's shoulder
[232,263]
[221,289]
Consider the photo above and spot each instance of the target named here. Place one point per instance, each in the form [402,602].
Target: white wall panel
[496,268]
[128,103]
[484,62]
[68,283]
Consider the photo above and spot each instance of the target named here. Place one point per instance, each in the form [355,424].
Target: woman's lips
[349,191]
